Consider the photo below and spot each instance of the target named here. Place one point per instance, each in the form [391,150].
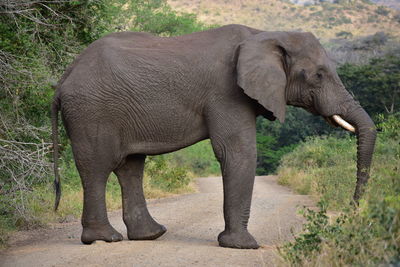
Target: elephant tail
[54,132]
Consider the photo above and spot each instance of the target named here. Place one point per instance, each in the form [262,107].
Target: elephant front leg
[139,223]
[237,156]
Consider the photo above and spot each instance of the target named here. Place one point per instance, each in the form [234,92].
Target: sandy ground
[193,222]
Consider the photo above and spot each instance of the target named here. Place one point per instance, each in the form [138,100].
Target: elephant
[133,94]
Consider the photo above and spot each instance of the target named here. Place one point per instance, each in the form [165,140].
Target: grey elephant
[131,94]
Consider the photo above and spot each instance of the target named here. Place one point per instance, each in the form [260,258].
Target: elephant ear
[261,73]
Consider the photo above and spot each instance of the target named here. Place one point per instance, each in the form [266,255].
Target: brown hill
[325,20]
[390,3]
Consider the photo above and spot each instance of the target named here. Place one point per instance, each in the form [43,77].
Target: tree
[376,84]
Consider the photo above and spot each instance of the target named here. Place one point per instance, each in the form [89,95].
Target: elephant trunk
[366,135]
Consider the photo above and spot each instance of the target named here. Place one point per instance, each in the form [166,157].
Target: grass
[324,167]
[313,169]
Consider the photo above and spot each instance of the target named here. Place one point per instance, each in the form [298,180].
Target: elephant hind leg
[95,160]
[139,223]
[94,217]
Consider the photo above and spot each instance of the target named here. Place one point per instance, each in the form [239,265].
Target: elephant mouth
[336,120]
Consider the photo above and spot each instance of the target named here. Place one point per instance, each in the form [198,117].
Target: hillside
[325,20]
[390,3]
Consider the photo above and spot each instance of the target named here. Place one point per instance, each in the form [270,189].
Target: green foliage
[275,139]
[381,10]
[57,26]
[389,126]
[164,177]
[362,7]
[328,6]
[344,34]
[366,236]
[376,85]
[198,158]
[315,231]
[269,154]
[312,168]
[39,38]
[397,18]
[154,16]
[372,19]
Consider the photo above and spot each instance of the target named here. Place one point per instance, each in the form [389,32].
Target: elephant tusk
[344,124]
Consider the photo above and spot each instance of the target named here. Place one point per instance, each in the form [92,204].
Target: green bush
[366,236]
[372,18]
[329,164]
[198,159]
[269,153]
[344,34]
[382,11]
[396,18]
[376,84]
[275,139]
[165,177]
[315,231]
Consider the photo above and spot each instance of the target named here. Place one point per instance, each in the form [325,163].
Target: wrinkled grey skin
[129,95]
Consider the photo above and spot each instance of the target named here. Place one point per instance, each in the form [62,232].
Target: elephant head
[279,68]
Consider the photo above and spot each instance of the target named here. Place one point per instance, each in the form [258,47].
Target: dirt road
[193,222]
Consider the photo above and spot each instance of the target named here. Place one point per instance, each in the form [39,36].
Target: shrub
[317,14]
[346,20]
[329,7]
[375,84]
[315,231]
[372,18]
[318,159]
[366,236]
[382,11]
[198,158]
[344,34]
[164,177]
[397,18]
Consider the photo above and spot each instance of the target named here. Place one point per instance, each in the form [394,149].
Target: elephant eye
[319,75]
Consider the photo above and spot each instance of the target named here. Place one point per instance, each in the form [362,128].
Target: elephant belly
[162,132]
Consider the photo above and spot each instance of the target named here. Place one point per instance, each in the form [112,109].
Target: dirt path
[193,222]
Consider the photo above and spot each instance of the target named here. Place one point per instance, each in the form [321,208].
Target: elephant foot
[242,239]
[106,233]
[146,231]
